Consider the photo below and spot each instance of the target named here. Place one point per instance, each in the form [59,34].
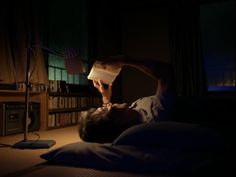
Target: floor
[24,163]
[27,163]
[17,159]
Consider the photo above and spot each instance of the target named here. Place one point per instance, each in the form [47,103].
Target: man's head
[103,125]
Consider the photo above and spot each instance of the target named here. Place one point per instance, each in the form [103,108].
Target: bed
[167,148]
[157,149]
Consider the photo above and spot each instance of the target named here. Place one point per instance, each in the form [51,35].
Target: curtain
[22,25]
[7,72]
[185,49]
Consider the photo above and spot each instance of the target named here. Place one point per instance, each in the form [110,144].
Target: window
[218,41]
[57,71]
[68,28]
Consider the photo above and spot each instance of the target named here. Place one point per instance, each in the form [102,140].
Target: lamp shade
[73,62]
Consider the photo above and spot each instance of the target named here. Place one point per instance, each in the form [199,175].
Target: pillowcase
[108,157]
[80,154]
[153,160]
[160,148]
[172,135]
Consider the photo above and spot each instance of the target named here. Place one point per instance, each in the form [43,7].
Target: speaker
[12,117]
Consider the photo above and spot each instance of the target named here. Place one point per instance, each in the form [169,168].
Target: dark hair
[104,128]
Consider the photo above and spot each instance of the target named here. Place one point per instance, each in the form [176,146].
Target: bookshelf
[65,109]
[57,109]
[67,103]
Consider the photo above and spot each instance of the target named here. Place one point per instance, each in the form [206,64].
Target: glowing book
[105,73]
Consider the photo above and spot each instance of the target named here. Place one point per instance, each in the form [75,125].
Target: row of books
[57,120]
[81,102]
[57,86]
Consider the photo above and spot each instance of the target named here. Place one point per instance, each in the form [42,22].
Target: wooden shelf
[17,93]
[43,99]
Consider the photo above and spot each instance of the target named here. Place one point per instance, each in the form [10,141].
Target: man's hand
[106,93]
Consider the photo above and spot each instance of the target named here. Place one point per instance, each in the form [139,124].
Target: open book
[105,73]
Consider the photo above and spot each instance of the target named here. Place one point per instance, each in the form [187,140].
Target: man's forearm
[105,100]
[153,68]
[157,70]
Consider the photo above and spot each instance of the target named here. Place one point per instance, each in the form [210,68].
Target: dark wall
[145,34]
[139,28]
[104,28]
[131,28]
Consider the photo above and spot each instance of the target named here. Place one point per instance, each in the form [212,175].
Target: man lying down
[106,123]
[139,137]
